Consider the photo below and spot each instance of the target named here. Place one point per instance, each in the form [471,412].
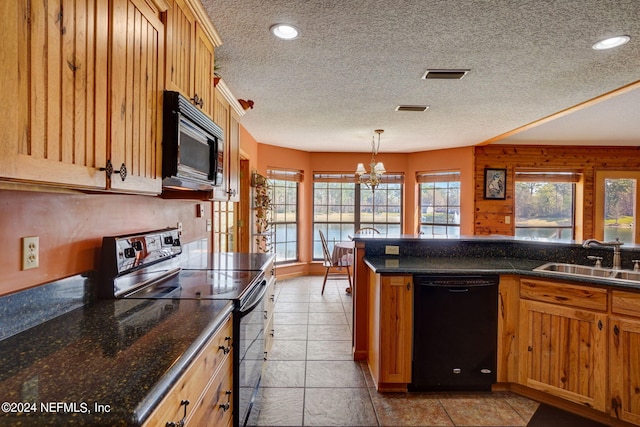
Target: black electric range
[147,266]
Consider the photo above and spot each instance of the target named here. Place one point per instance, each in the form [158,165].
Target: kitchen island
[555,333]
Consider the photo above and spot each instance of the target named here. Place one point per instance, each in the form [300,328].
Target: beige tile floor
[310,378]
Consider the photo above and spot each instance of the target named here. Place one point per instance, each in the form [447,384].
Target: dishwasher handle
[458,289]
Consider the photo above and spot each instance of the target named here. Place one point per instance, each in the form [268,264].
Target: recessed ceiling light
[285,31]
[611,42]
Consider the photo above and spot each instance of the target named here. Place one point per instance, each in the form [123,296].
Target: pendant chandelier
[377,168]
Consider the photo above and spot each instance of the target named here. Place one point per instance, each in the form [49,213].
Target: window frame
[440,177]
[342,230]
[600,177]
[545,177]
[224,213]
[285,178]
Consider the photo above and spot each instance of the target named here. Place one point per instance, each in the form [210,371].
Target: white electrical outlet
[209,224]
[507,219]
[30,252]
[180,227]
[392,250]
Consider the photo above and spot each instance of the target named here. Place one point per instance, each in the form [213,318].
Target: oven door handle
[250,306]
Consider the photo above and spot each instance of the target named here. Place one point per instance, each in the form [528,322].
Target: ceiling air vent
[445,74]
[412,107]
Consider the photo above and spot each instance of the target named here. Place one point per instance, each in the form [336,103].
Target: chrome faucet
[614,244]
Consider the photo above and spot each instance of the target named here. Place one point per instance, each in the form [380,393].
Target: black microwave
[192,146]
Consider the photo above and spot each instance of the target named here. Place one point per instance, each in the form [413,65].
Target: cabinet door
[233,168]
[203,73]
[563,352]
[396,332]
[625,369]
[54,65]
[180,28]
[222,119]
[136,96]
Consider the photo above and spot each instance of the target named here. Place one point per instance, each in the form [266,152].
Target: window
[545,205]
[439,203]
[224,227]
[284,186]
[341,206]
[616,205]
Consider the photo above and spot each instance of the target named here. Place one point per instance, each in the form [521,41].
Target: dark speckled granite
[23,310]
[99,354]
[489,255]
[496,247]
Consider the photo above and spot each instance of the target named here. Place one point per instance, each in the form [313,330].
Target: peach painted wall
[248,148]
[71,227]
[270,156]
[460,159]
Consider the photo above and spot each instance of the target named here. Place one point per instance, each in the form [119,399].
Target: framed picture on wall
[495,183]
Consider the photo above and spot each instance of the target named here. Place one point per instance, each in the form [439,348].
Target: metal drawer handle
[180,423]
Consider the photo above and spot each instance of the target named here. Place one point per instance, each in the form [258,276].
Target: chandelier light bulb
[377,168]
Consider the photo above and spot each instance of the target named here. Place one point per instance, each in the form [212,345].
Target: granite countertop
[478,265]
[63,369]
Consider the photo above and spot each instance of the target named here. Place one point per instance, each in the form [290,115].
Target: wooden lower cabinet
[206,385]
[390,331]
[269,306]
[624,356]
[563,346]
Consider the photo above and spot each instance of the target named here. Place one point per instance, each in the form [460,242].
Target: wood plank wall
[489,215]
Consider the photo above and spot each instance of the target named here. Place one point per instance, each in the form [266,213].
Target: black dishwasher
[455,332]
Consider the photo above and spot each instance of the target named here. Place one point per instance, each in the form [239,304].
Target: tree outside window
[439,203]
[341,205]
[284,219]
[619,209]
[545,205]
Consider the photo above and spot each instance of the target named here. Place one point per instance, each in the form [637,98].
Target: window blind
[547,176]
[285,174]
[445,176]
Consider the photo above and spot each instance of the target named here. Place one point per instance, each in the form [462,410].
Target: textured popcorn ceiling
[355,61]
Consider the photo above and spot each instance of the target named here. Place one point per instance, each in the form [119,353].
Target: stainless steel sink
[586,271]
[627,275]
[576,270]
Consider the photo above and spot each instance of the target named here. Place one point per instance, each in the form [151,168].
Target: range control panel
[132,252]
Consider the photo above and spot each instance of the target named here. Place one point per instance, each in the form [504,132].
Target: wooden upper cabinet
[203,72]
[54,72]
[190,54]
[137,81]
[180,32]
[79,106]
[234,158]
[222,118]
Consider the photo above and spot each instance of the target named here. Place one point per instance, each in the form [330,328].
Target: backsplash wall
[71,226]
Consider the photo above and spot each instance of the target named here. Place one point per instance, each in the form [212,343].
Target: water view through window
[619,209]
[544,210]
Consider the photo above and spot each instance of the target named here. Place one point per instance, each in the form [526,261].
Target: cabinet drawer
[564,293]
[193,382]
[269,333]
[625,303]
[270,296]
[216,406]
